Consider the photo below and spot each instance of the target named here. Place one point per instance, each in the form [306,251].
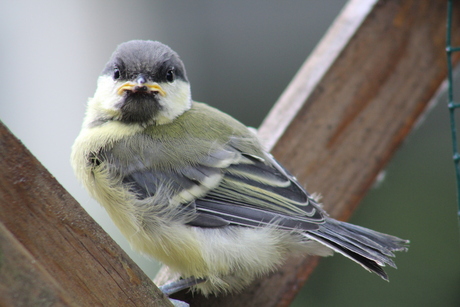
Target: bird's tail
[369,248]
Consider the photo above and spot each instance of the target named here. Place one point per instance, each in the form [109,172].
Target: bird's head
[143,83]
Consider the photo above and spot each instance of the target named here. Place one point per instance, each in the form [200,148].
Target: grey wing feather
[253,191]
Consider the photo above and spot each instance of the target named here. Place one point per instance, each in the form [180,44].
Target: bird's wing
[230,187]
[258,191]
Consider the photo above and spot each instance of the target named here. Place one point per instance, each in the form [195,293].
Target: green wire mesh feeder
[451,103]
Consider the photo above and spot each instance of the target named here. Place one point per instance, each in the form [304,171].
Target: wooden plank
[71,250]
[21,273]
[346,112]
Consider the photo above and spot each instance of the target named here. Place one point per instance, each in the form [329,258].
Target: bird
[194,188]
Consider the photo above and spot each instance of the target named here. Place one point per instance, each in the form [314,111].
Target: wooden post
[345,113]
[51,251]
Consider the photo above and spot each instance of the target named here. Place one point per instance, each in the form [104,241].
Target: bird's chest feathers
[159,148]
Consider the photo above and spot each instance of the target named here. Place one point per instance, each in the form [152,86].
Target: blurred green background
[239,56]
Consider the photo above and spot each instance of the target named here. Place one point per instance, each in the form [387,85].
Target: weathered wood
[20,273]
[346,112]
[59,243]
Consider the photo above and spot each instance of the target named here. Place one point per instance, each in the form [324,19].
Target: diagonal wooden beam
[346,112]
[51,250]
[21,273]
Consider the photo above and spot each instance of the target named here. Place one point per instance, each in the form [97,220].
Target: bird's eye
[170,75]
[116,74]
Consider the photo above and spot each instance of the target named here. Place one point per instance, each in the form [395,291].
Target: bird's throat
[140,107]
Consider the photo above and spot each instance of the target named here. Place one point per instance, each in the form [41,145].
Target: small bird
[193,187]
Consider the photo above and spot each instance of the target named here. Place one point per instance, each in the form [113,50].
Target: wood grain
[58,244]
[21,273]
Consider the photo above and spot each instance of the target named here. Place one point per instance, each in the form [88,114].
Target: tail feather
[369,248]
[392,243]
[377,255]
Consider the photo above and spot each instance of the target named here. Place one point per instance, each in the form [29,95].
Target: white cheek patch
[177,100]
[106,94]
